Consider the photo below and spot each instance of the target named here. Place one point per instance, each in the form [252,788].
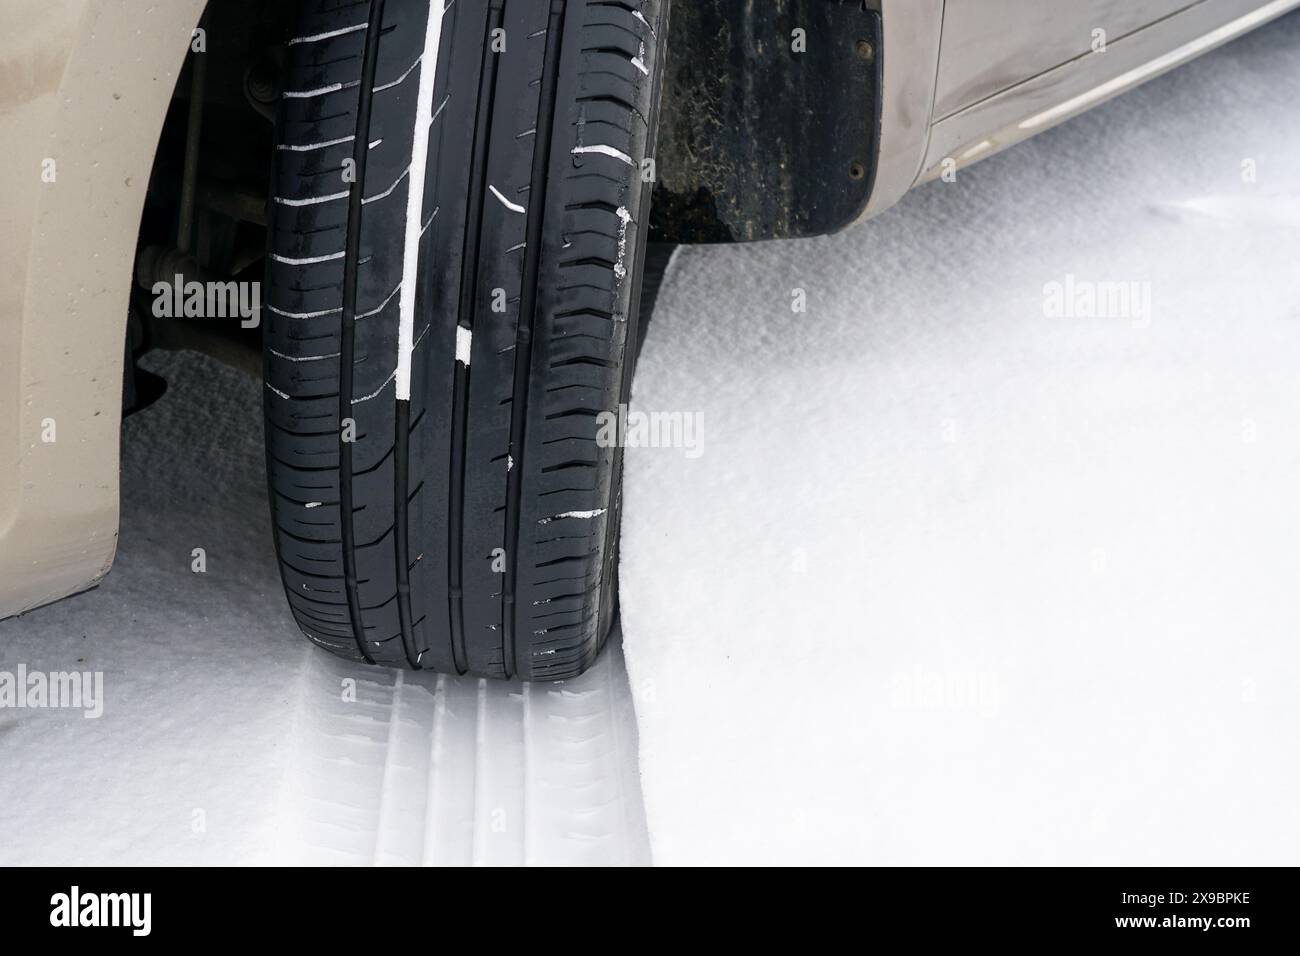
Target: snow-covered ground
[958,578]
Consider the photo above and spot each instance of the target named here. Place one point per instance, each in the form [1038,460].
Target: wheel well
[204,216]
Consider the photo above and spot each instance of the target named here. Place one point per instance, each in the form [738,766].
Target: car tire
[457,238]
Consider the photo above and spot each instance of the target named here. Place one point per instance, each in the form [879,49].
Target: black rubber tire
[472,526]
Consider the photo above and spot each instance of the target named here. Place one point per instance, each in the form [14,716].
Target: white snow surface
[954,582]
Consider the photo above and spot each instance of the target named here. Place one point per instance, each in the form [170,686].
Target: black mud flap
[770,123]
[140,389]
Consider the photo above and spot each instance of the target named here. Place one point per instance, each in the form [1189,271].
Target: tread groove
[468,295]
[524,339]
[370,61]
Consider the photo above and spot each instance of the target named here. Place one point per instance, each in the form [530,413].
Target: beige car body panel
[984,51]
[86,84]
[964,79]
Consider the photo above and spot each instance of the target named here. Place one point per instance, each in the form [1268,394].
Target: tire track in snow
[437,770]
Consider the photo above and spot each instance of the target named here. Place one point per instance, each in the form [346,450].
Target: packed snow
[985,561]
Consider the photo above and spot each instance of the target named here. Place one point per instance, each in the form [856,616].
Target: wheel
[457,224]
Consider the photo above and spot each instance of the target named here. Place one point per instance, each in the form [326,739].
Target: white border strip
[415,198]
[512,206]
[604,150]
[329,35]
